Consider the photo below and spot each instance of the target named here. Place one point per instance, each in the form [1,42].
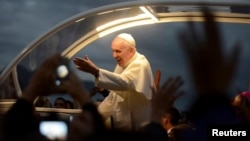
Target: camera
[54,130]
[54,126]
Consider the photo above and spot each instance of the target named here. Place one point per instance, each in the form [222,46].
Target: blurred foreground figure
[212,72]
[128,102]
[241,105]
[21,122]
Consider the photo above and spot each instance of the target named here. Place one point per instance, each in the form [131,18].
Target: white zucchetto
[127,37]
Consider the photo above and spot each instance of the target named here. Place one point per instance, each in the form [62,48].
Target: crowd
[60,102]
[133,108]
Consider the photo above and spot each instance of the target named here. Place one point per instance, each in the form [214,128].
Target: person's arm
[95,90]
[86,65]
[136,77]
[73,85]
[212,71]
[211,68]
[43,83]
[21,119]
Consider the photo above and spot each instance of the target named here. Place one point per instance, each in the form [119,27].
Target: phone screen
[54,130]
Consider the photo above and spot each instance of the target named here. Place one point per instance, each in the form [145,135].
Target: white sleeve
[136,78]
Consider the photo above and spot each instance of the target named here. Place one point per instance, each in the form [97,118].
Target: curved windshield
[155,26]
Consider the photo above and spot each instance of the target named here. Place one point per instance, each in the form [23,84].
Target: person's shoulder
[141,59]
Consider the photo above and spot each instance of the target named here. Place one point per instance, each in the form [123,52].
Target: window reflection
[7,89]
[59,101]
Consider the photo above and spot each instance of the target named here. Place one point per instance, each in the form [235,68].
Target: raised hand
[86,65]
[166,95]
[211,68]
[43,82]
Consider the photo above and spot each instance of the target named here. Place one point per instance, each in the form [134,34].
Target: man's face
[122,53]
[59,104]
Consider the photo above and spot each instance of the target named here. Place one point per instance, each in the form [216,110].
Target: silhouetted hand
[212,71]
[211,68]
[74,86]
[86,65]
[43,82]
[166,95]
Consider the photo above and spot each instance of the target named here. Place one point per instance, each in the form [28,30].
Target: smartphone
[54,130]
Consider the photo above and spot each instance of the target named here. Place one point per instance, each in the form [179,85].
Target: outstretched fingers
[171,85]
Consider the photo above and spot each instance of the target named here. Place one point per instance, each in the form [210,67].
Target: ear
[131,49]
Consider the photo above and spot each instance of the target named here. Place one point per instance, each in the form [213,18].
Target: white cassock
[130,93]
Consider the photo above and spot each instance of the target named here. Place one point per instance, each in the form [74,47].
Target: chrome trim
[58,110]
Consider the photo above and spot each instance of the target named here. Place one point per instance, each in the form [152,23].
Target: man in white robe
[130,85]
